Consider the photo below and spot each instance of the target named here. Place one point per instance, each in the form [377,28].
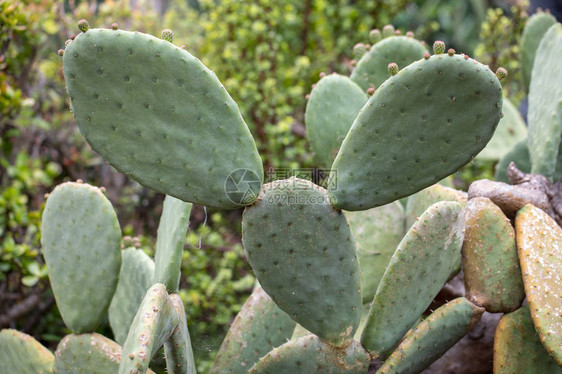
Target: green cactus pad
[426,257]
[135,278]
[537,25]
[539,242]
[309,354]
[153,324]
[332,107]
[87,354]
[419,202]
[517,347]
[22,354]
[520,155]
[169,244]
[301,251]
[421,125]
[545,103]
[259,327]
[433,337]
[492,275]
[372,69]
[377,233]
[158,115]
[81,242]
[177,349]
[511,130]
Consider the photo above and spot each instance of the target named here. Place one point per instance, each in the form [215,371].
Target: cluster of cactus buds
[346,273]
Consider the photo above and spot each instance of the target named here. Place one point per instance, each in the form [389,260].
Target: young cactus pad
[309,354]
[433,337]
[334,103]
[22,354]
[177,349]
[158,115]
[545,103]
[153,324]
[81,242]
[135,278]
[259,327]
[424,260]
[372,68]
[492,275]
[169,244]
[377,233]
[301,251]
[421,125]
[517,347]
[539,242]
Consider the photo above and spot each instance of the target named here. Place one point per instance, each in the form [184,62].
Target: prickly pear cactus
[426,257]
[81,242]
[177,349]
[517,347]
[421,125]
[302,253]
[492,274]
[433,337]
[258,328]
[158,115]
[22,354]
[311,355]
[539,242]
[332,106]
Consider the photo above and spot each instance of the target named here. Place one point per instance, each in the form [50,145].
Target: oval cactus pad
[158,115]
[421,125]
[301,251]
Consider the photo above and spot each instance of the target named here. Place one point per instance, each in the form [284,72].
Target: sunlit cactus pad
[259,327]
[332,107]
[302,253]
[492,274]
[539,242]
[421,125]
[158,115]
[22,354]
[517,347]
[426,257]
[433,337]
[309,354]
[81,241]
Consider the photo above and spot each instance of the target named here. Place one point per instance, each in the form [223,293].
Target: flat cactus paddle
[376,232]
[492,275]
[81,242]
[511,130]
[372,68]
[152,326]
[172,230]
[433,337]
[301,251]
[517,347]
[309,354]
[426,257]
[135,278]
[331,109]
[420,126]
[22,354]
[158,115]
[545,104]
[537,25]
[88,354]
[259,327]
[177,349]
[539,242]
